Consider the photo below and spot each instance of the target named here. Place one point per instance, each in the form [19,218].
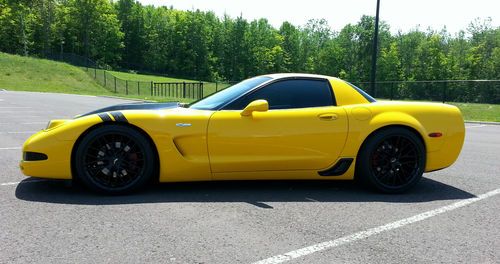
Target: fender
[359,130]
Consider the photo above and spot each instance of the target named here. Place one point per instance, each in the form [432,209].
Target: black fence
[467,91]
[191,90]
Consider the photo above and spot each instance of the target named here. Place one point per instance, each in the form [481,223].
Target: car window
[287,94]
[221,98]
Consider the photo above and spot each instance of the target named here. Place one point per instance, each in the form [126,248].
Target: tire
[114,159]
[391,161]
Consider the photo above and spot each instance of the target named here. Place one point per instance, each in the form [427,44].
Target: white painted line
[16,183]
[26,123]
[476,126]
[10,148]
[23,112]
[373,231]
[15,107]
[26,116]
[18,132]
[9,183]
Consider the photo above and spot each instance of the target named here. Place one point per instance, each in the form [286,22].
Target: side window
[295,93]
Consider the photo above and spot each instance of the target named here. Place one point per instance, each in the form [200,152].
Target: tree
[94,30]
[131,16]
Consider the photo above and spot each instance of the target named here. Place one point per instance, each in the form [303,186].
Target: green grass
[146,77]
[208,87]
[479,112]
[19,73]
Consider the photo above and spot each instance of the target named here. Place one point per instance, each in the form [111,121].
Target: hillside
[19,73]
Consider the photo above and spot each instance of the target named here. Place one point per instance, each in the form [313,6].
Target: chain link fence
[144,89]
[468,91]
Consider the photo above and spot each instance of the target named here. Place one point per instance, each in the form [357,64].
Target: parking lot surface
[452,216]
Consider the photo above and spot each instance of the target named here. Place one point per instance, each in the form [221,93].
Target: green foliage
[199,45]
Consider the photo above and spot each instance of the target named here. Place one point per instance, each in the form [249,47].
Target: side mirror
[257,105]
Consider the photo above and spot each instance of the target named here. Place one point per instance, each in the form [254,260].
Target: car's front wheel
[114,159]
[392,160]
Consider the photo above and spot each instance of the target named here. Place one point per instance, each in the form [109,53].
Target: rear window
[363,93]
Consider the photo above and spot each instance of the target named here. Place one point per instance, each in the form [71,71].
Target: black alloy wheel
[392,161]
[114,159]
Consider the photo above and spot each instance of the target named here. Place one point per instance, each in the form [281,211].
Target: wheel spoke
[395,161]
[114,160]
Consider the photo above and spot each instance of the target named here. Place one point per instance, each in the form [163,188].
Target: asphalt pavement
[452,216]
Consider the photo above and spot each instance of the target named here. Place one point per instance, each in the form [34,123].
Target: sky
[400,14]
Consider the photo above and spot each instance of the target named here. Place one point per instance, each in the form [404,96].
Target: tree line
[200,45]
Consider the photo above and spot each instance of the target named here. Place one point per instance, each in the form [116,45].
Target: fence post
[445,84]
[115,83]
[126,87]
[202,90]
[216,85]
[138,89]
[392,91]
[151,87]
[104,73]
[95,71]
[183,89]
[199,87]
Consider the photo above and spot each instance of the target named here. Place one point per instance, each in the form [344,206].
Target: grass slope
[208,87]
[145,77]
[19,73]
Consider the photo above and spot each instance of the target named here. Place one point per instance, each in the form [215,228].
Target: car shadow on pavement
[257,193]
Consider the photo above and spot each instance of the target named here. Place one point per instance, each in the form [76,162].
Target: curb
[482,122]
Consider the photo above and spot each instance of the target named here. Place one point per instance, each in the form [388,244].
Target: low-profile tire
[392,160]
[114,159]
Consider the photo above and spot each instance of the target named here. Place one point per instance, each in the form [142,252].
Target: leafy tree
[199,45]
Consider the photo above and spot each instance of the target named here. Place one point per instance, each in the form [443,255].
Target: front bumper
[57,165]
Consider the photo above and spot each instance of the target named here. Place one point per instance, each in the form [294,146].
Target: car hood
[133,106]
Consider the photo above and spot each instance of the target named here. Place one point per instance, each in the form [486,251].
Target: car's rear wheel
[114,159]
[392,160]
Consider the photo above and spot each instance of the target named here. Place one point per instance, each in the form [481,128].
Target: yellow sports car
[278,126]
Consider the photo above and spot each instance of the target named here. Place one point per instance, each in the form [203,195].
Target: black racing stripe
[105,117]
[119,117]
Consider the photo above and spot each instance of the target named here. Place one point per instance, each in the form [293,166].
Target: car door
[302,130]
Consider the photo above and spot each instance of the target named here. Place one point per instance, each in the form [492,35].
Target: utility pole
[373,75]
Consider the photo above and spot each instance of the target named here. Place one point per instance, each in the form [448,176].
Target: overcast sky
[400,14]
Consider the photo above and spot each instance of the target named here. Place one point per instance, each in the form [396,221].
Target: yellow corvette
[279,126]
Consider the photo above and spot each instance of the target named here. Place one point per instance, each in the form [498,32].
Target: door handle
[328,116]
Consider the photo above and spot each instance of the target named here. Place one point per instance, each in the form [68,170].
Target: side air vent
[338,168]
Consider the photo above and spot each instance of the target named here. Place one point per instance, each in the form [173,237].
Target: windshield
[216,100]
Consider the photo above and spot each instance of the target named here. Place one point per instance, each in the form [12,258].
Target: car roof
[297,75]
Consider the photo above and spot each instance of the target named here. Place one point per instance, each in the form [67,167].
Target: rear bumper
[448,152]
